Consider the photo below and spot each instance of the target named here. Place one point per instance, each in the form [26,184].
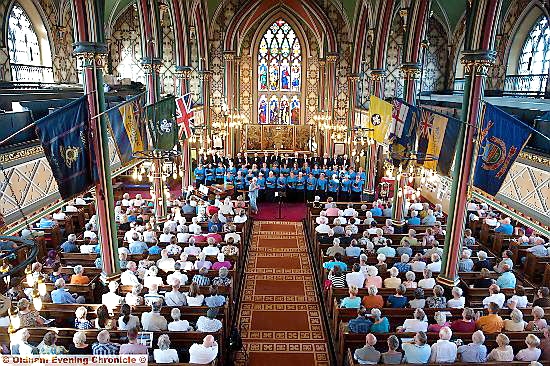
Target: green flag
[161,122]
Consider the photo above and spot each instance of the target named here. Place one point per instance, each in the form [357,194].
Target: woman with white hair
[382,266]
[151,277]
[80,321]
[202,262]
[178,325]
[435,265]
[532,352]
[438,299]
[474,352]
[482,262]
[428,282]
[373,279]
[410,282]
[134,298]
[388,228]
[440,318]
[80,346]
[393,281]
[369,219]
[19,344]
[538,323]
[380,324]
[165,354]
[465,264]
[78,278]
[504,352]
[516,322]
[372,300]
[444,351]
[458,301]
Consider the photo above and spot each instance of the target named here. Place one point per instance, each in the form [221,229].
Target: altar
[279,137]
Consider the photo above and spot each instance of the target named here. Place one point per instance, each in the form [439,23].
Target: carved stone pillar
[229,59]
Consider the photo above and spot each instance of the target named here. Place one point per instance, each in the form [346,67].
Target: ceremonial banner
[64,135]
[185,116]
[161,124]
[380,118]
[442,143]
[501,139]
[125,120]
[404,120]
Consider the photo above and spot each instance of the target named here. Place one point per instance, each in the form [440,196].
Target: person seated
[539,248]
[419,322]
[62,296]
[214,300]
[175,297]
[465,325]
[336,261]
[70,245]
[367,355]
[349,211]
[126,320]
[429,219]
[418,264]
[335,248]
[203,353]
[440,318]
[491,323]
[104,346]
[468,239]
[542,297]
[516,322]
[360,324]
[506,259]
[134,298]
[403,266]
[373,300]
[191,249]
[392,356]
[79,345]
[353,250]
[483,262]
[352,301]
[399,300]
[545,345]
[465,264]
[221,262]
[151,277]
[194,297]
[505,227]
[181,277]
[418,351]
[355,277]
[223,278]
[165,354]
[494,296]
[380,324]
[410,278]
[52,258]
[209,323]
[435,265]
[519,299]
[133,347]
[532,352]
[458,301]
[538,323]
[444,351]
[229,248]
[202,278]
[438,299]
[382,266]
[393,281]
[376,210]
[111,299]
[428,282]
[338,228]
[414,220]
[323,227]
[202,262]
[504,352]
[153,295]
[388,227]
[26,316]
[337,277]
[410,239]
[56,273]
[48,345]
[385,249]
[419,302]
[178,325]
[485,279]
[507,279]
[475,352]
[153,321]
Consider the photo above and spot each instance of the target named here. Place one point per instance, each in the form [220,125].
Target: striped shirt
[201,280]
[337,281]
[105,348]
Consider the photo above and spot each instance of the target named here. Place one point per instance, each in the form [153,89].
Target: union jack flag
[426,123]
[185,116]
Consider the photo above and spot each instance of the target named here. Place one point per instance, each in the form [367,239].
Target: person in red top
[465,325]
[221,262]
[215,235]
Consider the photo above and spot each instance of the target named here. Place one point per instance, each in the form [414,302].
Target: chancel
[275,182]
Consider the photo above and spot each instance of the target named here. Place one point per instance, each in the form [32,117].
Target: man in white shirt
[126,200]
[171,225]
[323,228]
[60,215]
[71,209]
[349,211]
[138,201]
[240,218]
[178,325]
[111,299]
[129,235]
[165,263]
[175,297]
[177,275]
[128,277]
[174,249]
[444,351]
[194,226]
[494,296]
[79,201]
[355,277]
[153,321]
[435,265]
[204,353]
[236,237]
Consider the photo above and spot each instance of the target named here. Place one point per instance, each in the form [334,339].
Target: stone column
[352,87]
[331,92]
[91,50]
[229,58]
[481,25]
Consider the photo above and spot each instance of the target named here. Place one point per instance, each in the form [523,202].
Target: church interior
[270,182]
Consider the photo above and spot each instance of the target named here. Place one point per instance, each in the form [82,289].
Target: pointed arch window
[279,78]
[535,54]
[24,48]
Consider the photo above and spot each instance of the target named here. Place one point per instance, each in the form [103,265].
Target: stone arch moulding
[519,22]
[307,11]
[199,15]
[41,26]
[363,21]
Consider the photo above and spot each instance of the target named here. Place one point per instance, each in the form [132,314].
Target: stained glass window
[279,75]
[535,55]
[24,48]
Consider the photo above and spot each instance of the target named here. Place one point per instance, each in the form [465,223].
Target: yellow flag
[131,126]
[380,118]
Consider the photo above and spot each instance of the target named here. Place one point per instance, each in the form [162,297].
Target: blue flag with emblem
[65,137]
[501,139]
[125,121]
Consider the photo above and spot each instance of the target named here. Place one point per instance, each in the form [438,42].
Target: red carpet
[293,212]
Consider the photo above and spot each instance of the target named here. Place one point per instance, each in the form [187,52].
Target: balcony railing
[533,85]
[31,73]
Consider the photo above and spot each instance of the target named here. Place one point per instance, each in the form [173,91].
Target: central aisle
[280,314]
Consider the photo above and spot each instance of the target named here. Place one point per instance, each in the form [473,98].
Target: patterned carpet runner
[280,314]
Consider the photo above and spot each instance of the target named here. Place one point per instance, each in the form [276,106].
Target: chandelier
[322,119]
